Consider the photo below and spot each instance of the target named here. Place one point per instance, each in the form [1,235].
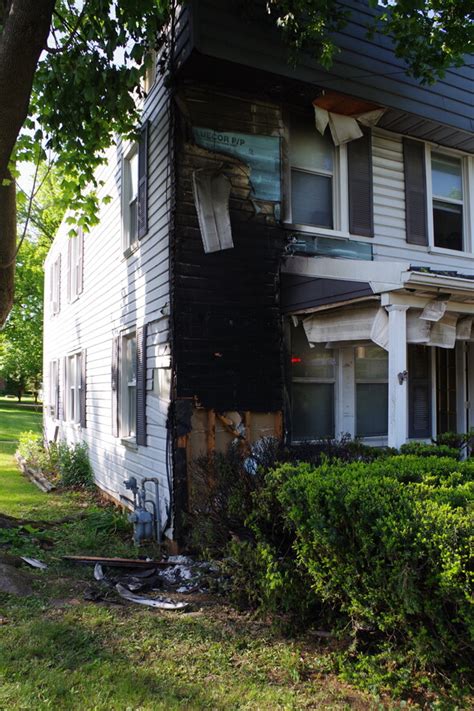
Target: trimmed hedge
[389,544]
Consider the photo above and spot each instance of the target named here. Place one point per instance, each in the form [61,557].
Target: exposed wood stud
[211,432]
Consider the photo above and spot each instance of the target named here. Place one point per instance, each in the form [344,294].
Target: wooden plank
[211,432]
[117,562]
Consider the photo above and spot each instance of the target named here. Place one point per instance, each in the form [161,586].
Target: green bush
[33,451]
[69,463]
[74,466]
[423,449]
[389,545]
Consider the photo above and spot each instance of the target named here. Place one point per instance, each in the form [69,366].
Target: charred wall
[226,317]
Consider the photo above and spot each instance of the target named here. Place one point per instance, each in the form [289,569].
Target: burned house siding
[227,331]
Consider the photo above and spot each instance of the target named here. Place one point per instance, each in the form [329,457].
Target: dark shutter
[115,382]
[141,385]
[419,391]
[359,160]
[83,406]
[143,182]
[415,191]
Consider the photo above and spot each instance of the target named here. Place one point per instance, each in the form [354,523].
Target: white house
[287,251]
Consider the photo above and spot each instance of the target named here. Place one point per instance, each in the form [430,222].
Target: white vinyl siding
[120,295]
[389,242]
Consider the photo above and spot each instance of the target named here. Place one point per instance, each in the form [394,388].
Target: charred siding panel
[227,327]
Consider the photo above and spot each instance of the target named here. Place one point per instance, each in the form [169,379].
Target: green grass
[58,651]
[17,417]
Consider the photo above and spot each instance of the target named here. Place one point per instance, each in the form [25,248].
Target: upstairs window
[75,253]
[135,192]
[130,198]
[55,286]
[447,193]
[329,188]
[312,160]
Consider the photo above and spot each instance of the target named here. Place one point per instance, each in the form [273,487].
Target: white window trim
[128,247]
[345,394]
[53,400]
[73,386]
[75,258]
[54,275]
[123,409]
[340,195]
[467,201]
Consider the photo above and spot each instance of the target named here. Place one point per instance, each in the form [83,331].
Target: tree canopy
[70,74]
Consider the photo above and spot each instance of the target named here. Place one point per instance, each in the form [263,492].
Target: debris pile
[177,574]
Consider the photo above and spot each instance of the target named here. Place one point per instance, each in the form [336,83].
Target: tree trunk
[25,27]
[7,246]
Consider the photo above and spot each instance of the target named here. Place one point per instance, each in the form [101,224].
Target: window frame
[53,387]
[73,387]
[315,380]
[75,265]
[367,381]
[129,245]
[467,181]
[55,286]
[340,189]
[127,429]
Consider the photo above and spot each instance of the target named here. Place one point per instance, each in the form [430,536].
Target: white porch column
[397,371]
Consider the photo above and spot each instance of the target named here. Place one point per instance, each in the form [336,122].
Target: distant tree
[21,350]
[21,340]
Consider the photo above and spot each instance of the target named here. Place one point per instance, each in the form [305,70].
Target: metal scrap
[34,562]
[161,603]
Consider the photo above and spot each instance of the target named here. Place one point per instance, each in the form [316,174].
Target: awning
[370,323]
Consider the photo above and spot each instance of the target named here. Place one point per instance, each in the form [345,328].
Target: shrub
[74,466]
[423,449]
[33,451]
[389,544]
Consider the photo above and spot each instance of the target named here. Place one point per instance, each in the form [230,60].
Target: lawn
[59,651]
[18,417]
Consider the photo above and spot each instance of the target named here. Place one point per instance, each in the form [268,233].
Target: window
[447,195]
[53,390]
[73,387]
[312,160]
[330,188]
[130,198]
[128,409]
[55,286]
[74,265]
[313,383]
[371,385]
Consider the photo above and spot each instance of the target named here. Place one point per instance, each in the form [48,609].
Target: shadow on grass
[65,664]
